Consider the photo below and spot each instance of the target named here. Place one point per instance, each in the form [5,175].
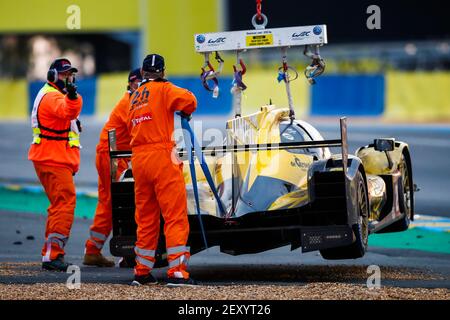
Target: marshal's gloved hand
[188,117]
[71,90]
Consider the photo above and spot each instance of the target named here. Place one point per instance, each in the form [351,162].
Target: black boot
[144,280]
[181,282]
[56,265]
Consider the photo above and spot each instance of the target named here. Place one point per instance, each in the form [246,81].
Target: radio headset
[52,75]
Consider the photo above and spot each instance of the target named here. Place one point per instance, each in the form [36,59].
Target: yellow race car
[276,183]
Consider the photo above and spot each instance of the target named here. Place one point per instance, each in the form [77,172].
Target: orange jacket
[151,113]
[52,109]
[117,120]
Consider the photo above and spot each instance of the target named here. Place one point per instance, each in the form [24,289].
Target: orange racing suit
[56,157]
[158,174]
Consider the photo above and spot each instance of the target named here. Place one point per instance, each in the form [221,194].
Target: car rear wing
[217,150]
[342,142]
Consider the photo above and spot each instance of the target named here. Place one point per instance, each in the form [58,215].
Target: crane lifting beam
[260,38]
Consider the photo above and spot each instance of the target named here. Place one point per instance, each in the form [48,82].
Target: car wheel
[406,198]
[361,230]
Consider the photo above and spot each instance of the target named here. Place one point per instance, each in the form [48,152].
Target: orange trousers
[160,189]
[102,225]
[60,189]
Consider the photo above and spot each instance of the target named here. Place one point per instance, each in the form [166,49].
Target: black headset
[52,75]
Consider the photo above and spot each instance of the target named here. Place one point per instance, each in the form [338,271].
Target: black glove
[188,117]
[71,90]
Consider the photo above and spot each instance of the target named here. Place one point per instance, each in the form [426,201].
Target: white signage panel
[262,38]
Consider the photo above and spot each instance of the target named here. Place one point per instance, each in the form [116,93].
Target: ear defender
[52,75]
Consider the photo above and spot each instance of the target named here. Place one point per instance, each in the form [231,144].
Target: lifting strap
[191,142]
[208,73]
[317,66]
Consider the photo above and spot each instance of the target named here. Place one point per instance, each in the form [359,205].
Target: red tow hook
[243,67]
[238,75]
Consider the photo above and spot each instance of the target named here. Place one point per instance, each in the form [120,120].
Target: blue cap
[135,74]
[62,65]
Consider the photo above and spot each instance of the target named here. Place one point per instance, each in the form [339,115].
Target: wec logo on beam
[302,34]
[218,40]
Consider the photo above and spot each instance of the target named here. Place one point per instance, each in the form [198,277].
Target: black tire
[361,230]
[406,198]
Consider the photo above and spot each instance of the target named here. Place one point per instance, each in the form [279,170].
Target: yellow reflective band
[36,137]
[74,139]
[48,88]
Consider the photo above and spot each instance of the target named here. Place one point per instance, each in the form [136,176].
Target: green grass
[37,202]
[414,238]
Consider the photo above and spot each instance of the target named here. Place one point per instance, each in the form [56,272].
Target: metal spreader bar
[261,38]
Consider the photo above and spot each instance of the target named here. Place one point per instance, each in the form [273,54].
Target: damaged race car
[278,184]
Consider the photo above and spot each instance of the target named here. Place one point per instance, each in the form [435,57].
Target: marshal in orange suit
[158,175]
[101,228]
[55,152]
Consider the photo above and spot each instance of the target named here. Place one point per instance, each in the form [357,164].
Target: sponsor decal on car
[299,164]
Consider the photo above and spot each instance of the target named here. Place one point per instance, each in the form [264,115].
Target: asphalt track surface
[430,149]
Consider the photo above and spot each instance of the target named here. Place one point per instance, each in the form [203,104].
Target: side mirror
[386,144]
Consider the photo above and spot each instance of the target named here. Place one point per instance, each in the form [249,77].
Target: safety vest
[73,136]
